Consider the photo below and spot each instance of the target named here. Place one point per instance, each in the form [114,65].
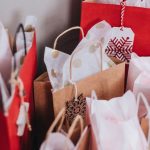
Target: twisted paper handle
[60,117]
[75,124]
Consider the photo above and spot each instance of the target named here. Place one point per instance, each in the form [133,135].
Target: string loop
[123,5]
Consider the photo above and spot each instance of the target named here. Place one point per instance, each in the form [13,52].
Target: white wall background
[54,16]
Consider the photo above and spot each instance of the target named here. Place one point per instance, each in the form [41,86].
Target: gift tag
[119,40]
[119,43]
[22,118]
[75,107]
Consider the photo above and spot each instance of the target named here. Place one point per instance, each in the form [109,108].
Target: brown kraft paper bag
[107,84]
[44,113]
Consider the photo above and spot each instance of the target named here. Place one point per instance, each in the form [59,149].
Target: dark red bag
[138,19]
[3,132]
[27,74]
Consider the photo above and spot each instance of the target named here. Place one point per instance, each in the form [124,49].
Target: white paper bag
[117,120]
[142,84]
[20,53]
[138,78]
[136,66]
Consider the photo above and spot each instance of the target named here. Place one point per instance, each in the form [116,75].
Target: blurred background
[54,16]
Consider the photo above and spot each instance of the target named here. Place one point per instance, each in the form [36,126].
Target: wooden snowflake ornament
[75,107]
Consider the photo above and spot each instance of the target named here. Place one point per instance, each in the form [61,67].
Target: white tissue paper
[136,66]
[86,59]
[54,61]
[138,78]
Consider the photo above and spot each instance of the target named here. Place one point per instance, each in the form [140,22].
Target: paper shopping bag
[44,114]
[27,73]
[4,132]
[107,84]
[138,78]
[137,3]
[118,117]
[4,97]
[137,65]
[95,12]
[145,121]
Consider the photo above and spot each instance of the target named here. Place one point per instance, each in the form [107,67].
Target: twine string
[123,6]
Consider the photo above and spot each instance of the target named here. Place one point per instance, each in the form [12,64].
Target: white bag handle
[70,69]
[77,119]
[54,47]
[93,95]
[61,117]
[141,97]
[66,31]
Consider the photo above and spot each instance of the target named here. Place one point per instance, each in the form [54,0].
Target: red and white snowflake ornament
[119,43]
[119,40]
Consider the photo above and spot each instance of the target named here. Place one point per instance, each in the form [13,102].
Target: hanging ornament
[75,107]
[119,40]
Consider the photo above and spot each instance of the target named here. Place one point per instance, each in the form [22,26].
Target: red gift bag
[3,132]
[27,74]
[138,19]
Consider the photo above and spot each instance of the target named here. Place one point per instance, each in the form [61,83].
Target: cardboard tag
[119,43]
[22,118]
